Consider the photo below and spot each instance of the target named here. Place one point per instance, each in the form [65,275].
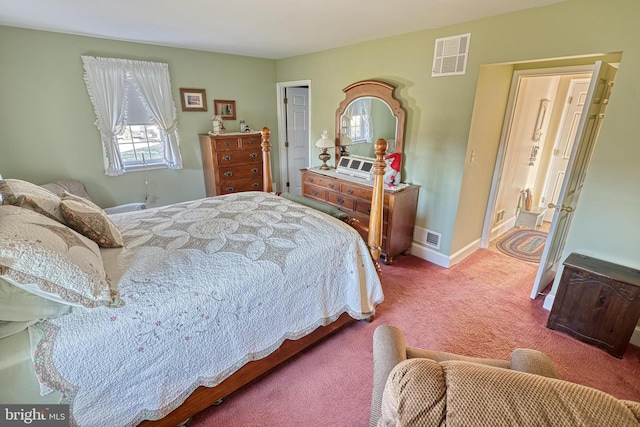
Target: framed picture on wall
[226,109]
[193,99]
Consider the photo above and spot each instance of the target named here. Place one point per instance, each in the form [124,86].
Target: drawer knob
[350,191]
[228,173]
[227,158]
[253,155]
[255,185]
[229,189]
[332,185]
[314,192]
[340,200]
[310,179]
[254,170]
[228,144]
[252,141]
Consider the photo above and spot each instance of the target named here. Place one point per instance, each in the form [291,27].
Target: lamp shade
[345,141]
[324,141]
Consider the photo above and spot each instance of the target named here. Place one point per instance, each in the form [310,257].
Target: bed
[203,297]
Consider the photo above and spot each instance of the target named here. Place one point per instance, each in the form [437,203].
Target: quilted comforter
[206,286]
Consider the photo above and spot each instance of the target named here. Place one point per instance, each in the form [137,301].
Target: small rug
[526,245]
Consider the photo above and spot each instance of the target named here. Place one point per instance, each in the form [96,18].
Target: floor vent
[433,239]
[450,55]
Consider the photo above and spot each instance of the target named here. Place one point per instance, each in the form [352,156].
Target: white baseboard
[635,338]
[503,228]
[428,254]
[431,255]
[548,301]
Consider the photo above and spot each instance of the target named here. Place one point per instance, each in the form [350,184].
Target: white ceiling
[262,28]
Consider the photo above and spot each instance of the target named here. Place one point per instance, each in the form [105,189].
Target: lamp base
[344,152]
[324,156]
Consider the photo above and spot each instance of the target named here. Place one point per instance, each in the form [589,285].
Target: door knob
[561,208]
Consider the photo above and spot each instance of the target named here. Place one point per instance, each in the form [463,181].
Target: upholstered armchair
[415,387]
[76,187]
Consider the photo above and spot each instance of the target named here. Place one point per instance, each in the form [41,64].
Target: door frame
[506,130]
[282,127]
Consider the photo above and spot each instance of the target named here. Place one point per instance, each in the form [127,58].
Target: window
[135,114]
[140,145]
[357,120]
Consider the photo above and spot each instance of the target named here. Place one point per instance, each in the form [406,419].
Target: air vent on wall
[450,55]
[433,239]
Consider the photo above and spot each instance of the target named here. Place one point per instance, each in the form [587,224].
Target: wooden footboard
[203,397]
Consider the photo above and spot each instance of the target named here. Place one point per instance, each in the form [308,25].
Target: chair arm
[533,362]
[125,208]
[389,349]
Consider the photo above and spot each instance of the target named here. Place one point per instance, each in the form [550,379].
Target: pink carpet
[480,307]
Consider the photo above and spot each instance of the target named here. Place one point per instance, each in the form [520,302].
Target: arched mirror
[368,112]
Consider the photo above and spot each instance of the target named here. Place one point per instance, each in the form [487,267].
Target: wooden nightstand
[597,302]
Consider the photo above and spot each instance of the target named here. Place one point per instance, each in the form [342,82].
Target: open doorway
[541,123]
[294,100]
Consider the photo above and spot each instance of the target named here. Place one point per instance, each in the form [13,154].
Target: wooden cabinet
[231,163]
[597,302]
[353,196]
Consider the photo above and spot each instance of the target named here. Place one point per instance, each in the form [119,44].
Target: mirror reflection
[364,121]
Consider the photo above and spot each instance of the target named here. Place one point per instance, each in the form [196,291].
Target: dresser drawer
[224,144]
[340,200]
[227,187]
[249,142]
[365,208]
[242,171]
[321,181]
[237,157]
[314,191]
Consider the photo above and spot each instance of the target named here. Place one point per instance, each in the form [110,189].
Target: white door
[587,133]
[576,97]
[297,139]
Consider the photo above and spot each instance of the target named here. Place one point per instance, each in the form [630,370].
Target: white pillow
[51,260]
[18,305]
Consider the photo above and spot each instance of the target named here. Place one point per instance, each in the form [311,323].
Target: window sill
[150,166]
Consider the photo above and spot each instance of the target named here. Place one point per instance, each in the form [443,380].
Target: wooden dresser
[353,196]
[231,163]
[597,302]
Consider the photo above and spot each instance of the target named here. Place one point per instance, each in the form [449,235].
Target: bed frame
[204,397]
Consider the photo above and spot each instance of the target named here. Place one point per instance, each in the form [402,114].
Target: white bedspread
[207,286]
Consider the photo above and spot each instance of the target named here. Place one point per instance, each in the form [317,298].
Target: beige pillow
[51,260]
[31,196]
[90,220]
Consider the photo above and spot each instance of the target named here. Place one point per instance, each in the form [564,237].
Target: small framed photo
[226,109]
[193,99]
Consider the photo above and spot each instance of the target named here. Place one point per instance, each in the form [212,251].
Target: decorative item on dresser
[232,162]
[324,143]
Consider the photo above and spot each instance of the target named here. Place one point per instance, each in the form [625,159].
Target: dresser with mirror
[368,112]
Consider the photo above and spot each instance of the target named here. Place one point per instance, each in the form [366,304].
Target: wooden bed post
[377,200]
[267,182]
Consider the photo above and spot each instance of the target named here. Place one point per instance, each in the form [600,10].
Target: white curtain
[153,84]
[107,80]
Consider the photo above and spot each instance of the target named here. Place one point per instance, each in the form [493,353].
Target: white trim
[635,338]
[282,131]
[548,301]
[421,251]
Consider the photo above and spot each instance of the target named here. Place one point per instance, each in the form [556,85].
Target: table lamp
[324,143]
[345,141]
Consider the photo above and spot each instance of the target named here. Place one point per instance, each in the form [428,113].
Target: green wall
[46,118]
[453,194]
